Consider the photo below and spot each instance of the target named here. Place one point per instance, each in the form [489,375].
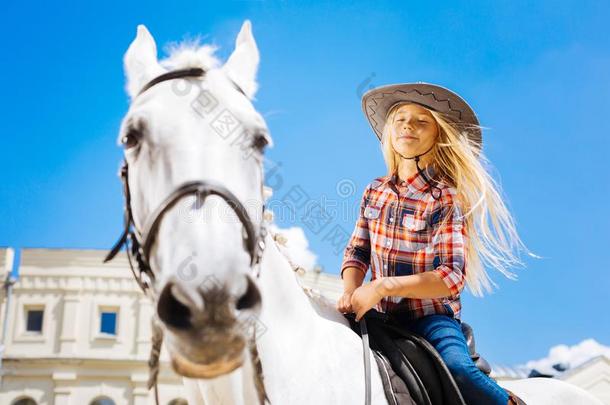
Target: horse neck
[284,301]
[308,343]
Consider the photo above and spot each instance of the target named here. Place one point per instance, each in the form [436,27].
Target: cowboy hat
[377,102]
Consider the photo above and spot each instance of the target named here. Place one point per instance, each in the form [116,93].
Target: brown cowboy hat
[377,102]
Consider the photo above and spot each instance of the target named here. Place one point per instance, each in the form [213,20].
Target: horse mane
[318,298]
[315,296]
[190,53]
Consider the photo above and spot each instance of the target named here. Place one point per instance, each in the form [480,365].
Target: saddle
[412,371]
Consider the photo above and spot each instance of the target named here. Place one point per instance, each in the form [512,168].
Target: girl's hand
[343,304]
[366,297]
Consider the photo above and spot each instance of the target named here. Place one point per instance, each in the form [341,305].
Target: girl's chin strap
[434,190]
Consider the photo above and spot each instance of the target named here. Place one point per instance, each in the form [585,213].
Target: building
[593,376]
[78,332]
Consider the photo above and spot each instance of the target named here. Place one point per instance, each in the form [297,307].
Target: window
[25,401]
[108,322]
[31,325]
[34,320]
[102,401]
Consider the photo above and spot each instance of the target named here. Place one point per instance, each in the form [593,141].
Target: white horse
[180,130]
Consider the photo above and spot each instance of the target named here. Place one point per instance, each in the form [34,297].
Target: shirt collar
[416,183]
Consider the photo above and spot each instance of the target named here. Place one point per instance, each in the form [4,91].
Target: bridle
[138,243]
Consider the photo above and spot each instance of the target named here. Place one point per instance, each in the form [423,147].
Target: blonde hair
[456,162]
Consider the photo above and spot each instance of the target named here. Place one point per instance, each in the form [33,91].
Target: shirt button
[388,243]
[385,266]
[391,219]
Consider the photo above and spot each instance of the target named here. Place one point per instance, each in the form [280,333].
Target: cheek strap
[434,190]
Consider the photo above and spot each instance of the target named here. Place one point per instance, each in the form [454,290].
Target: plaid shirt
[397,233]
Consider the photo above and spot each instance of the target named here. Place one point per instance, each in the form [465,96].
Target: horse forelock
[190,53]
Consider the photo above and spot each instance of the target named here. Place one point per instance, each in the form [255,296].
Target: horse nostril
[171,311]
[251,298]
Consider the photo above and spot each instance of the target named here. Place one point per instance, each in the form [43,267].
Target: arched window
[178,401]
[25,401]
[102,401]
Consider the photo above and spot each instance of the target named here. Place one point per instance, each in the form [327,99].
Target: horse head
[194,196]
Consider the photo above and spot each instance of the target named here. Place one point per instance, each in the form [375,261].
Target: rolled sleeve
[449,244]
[358,250]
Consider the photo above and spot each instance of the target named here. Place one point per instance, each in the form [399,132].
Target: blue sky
[536,73]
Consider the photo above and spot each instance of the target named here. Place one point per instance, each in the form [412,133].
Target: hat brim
[377,102]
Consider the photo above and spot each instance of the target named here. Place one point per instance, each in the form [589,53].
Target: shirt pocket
[373,215]
[372,212]
[415,231]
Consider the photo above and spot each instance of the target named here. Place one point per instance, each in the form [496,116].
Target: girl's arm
[356,258]
[423,285]
[352,278]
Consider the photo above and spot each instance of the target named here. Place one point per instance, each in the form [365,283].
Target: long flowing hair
[492,238]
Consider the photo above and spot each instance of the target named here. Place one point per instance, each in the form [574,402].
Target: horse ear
[242,65]
[140,62]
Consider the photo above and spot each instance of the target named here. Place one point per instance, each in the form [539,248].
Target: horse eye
[260,141]
[131,139]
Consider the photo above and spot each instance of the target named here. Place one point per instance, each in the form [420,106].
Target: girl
[423,227]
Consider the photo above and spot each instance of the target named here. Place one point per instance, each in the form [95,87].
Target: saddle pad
[396,392]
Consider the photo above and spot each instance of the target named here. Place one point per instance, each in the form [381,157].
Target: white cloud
[568,356]
[297,246]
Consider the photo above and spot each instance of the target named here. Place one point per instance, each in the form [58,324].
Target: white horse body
[308,352]
[543,391]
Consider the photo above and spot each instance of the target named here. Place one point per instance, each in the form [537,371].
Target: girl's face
[414,130]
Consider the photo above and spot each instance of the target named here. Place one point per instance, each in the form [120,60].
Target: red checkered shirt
[397,233]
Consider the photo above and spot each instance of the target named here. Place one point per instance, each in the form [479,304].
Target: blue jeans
[445,334]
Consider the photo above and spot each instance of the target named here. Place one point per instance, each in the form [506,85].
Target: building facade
[78,332]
